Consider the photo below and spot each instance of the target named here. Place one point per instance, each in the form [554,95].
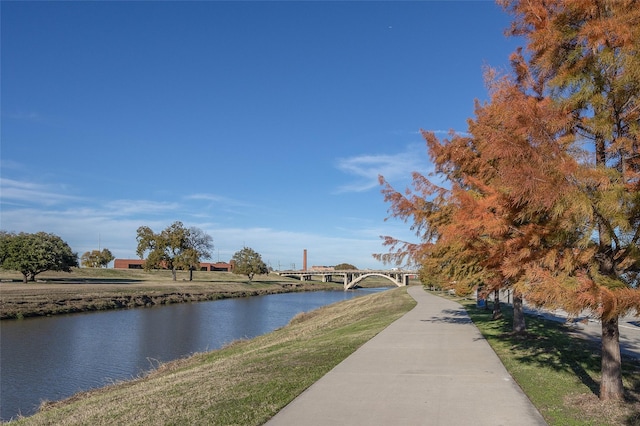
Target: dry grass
[605,412]
[87,289]
[245,383]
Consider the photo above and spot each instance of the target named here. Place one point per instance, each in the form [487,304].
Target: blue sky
[265,124]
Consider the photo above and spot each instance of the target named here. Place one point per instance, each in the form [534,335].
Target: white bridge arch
[351,277]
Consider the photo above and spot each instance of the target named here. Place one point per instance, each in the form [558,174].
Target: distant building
[204,266]
[128,263]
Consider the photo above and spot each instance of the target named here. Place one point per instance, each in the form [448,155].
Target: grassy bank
[243,384]
[87,289]
[249,381]
[560,373]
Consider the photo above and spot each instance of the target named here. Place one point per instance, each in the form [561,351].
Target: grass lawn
[560,373]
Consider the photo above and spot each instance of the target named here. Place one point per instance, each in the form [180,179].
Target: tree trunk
[519,325]
[611,387]
[190,274]
[25,277]
[173,273]
[497,312]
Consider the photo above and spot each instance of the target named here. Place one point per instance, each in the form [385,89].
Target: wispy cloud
[15,191]
[284,249]
[367,167]
[218,199]
[11,165]
[87,228]
[136,207]
[214,205]
[87,223]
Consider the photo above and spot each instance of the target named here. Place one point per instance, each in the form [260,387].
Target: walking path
[430,367]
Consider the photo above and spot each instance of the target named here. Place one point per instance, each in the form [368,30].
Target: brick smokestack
[304,260]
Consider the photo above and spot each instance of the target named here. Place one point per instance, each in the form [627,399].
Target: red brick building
[204,266]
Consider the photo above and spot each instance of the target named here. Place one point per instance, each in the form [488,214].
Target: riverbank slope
[245,383]
[88,289]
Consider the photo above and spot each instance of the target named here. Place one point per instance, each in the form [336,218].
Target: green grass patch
[559,372]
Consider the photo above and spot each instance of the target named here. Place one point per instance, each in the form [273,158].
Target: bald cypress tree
[586,54]
[543,196]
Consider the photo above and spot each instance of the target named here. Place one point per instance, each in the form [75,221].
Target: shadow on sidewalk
[450,316]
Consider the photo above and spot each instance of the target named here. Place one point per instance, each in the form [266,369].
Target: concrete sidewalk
[430,367]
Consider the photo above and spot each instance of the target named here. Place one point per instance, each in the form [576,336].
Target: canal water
[52,358]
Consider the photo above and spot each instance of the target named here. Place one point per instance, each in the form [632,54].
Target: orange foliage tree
[586,52]
[543,197]
[496,217]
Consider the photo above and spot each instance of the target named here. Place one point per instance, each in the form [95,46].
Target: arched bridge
[351,278]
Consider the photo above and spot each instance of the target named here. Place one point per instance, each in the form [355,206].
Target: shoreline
[245,382]
[46,305]
[100,290]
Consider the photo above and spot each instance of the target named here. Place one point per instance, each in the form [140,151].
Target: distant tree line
[175,248]
[345,267]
